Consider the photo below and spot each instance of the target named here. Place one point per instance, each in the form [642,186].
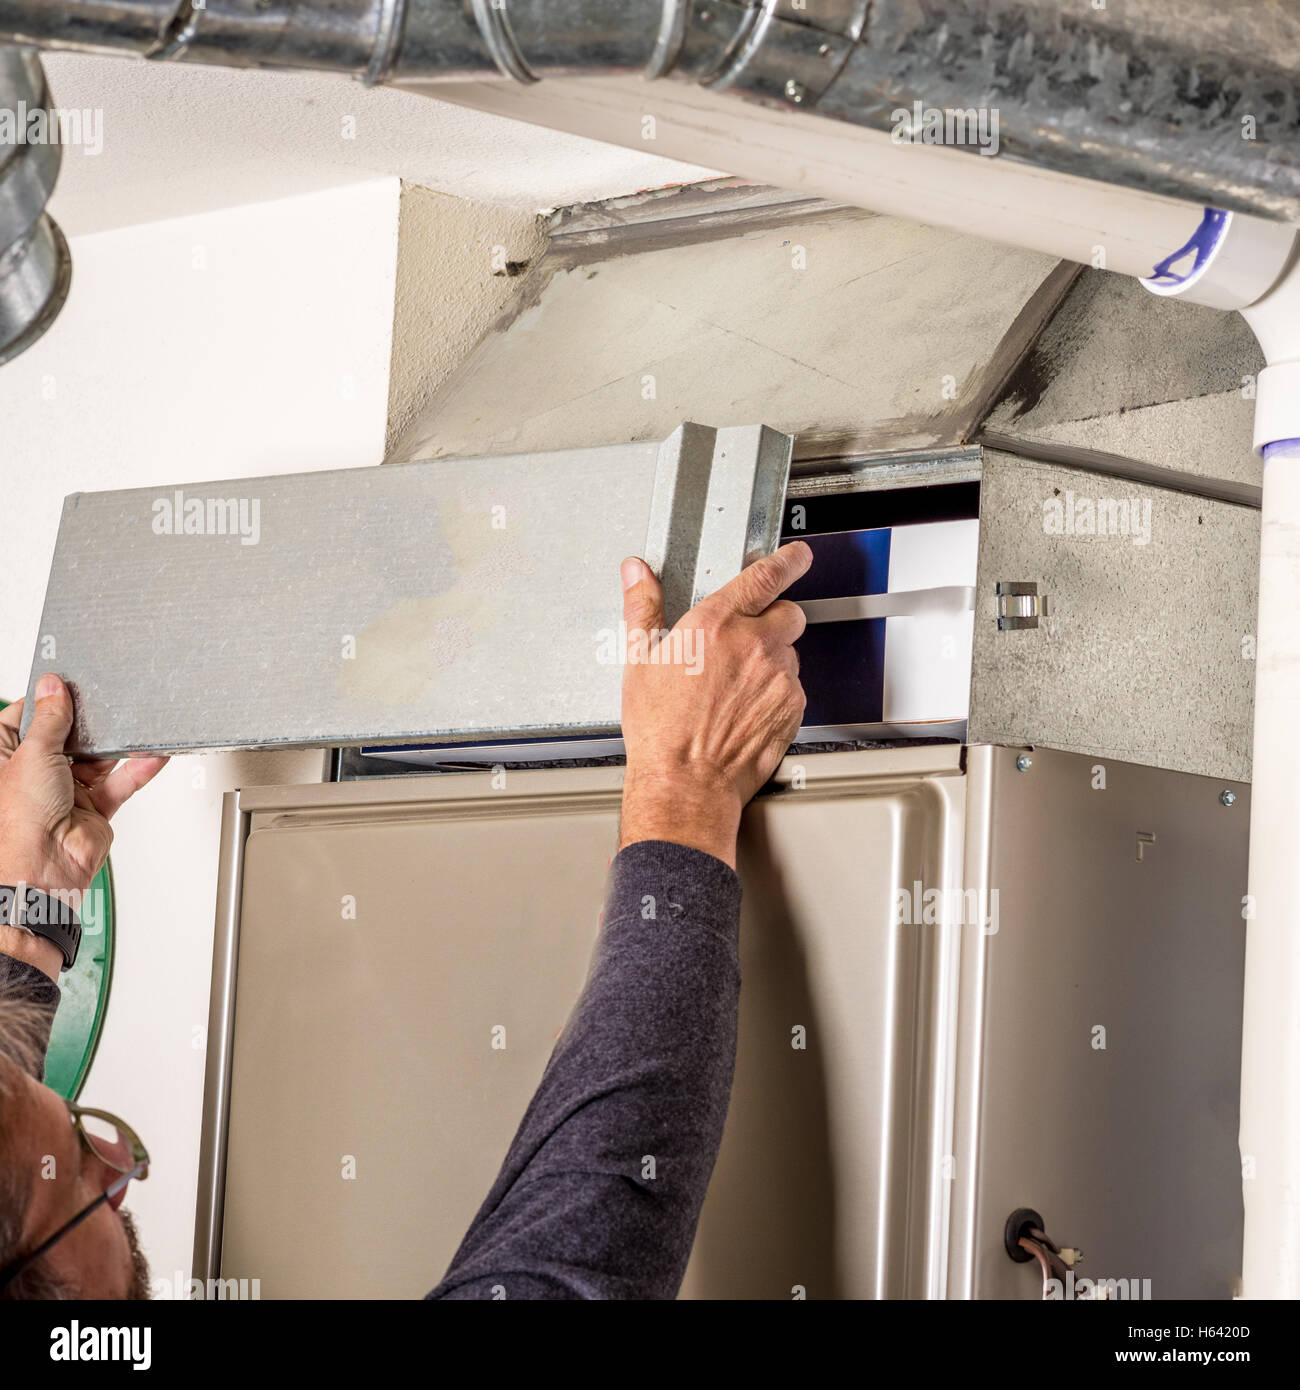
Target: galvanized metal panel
[1146,652]
[453,600]
[1099,1059]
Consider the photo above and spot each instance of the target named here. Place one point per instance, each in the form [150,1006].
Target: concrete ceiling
[180,139]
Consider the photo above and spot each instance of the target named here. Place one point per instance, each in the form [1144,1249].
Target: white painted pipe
[1270,1060]
[1276,321]
[1000,199]
[1235,266]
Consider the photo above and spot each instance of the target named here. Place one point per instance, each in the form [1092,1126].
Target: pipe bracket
[785,63]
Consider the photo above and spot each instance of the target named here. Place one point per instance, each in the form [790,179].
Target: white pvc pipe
[1276,322]
[1270,1061]
[996,198]
[1270,1049]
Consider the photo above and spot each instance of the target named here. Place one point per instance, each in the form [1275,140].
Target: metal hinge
[1019,605]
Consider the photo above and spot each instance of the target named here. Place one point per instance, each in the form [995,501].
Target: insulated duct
[1163,97]
[35,268]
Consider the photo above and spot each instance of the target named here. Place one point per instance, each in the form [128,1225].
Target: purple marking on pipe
[1205,242]
[1282,449]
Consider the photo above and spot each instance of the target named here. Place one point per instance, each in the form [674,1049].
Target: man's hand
[710,714]
[54,816]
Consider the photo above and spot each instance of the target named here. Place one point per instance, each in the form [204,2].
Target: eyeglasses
[102,1133]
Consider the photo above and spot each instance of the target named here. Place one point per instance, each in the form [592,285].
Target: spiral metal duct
[1164,97]
[35,268]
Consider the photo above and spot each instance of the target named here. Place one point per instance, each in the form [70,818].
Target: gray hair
[23,1028]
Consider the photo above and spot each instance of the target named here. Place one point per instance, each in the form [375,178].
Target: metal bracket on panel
[717,504]
[677,505]
[745,502]
[1020,605]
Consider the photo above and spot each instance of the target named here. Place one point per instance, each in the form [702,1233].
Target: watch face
[84,988]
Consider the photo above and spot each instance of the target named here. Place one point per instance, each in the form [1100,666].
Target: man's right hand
[707,719]
[54,816]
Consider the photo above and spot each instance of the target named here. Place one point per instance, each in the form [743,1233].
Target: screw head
[1228,798]
[795,91]
[1024,763]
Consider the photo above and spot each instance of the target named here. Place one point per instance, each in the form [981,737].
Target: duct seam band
[494,23]
[392,21]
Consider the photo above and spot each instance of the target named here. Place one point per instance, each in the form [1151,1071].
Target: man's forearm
[600,1192]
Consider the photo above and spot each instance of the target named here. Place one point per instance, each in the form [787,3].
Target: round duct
[35,267]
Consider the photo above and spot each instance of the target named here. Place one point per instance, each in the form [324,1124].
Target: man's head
[47,1176]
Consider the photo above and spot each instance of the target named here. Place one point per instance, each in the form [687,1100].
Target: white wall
[250,341]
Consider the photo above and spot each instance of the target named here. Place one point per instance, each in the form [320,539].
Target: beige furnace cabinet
[974,979]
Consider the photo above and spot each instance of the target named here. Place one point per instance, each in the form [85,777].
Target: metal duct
[1165,97]
[35,268]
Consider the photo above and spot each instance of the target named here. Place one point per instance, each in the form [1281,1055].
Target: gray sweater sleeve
[601,1189]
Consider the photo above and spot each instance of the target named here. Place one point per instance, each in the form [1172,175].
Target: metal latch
[1019,605]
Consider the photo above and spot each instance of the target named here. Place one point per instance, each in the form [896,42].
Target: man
[643,1066]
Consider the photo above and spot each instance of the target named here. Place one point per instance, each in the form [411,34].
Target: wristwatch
[42,914]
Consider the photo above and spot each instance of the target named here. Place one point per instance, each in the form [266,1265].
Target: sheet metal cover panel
[460,599]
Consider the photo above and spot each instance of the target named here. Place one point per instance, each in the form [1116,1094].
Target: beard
[140,1286]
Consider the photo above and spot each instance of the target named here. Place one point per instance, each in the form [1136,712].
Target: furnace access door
[968,987]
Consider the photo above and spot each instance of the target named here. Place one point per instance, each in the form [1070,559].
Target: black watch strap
[43,915]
